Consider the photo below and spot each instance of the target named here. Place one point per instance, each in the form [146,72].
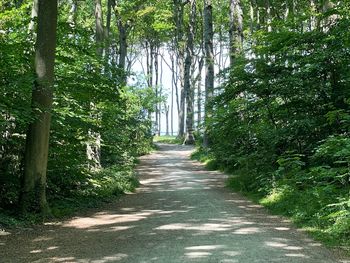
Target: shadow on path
[181,213]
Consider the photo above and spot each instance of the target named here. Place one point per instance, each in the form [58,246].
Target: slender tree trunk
[179,36]
[93,147]
[189,90]
[149,66]
[99,34]
[268,15]
[172,98]
[33,15]
[166,108]
[209,65]
[156,71]
[73,13]
[122,45]
[236,29]
[33,190]
[107,34]
[199,93]
[160,93]
[108,17]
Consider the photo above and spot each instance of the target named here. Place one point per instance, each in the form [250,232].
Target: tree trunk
[73,13]
[122,45]
[99,34]
[268,15]
[172,97]
[166,108]
[179,39]
[93,147]
[209,65]
[156,71]
[189,90]
[236,29]
[33,15]
[33,190]
[107,34]
[199,93]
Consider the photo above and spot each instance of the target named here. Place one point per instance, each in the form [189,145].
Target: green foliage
[16,76]
[88,96]
[281,123]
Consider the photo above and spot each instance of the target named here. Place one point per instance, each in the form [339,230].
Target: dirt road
[181,213]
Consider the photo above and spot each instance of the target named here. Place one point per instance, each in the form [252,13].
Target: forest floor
[180,213]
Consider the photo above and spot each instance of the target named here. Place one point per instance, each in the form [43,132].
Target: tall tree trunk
[73,13]
[268,15]
[108,17]
[209,65]
[99,34]
[149,69]
[179,39]
[236,29]
[166,109]
[199,93]
[33,15]
[122,44]
[33,190]
[189,90]
[173,86]
[160,91]
[107,34]
[93,147]
[156,71]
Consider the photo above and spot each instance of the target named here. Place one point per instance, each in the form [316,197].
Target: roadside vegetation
[167,139]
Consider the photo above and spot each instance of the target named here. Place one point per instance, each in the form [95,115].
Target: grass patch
[167,139]
[323,211]
[203,156]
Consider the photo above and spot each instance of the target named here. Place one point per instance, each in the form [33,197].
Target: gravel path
[181,213]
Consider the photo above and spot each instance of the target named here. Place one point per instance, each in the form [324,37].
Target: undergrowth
[99,187]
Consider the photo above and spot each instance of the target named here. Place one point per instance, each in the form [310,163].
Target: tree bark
[209,65]
[99,34]
[189,90]
[173,86]
[199,93]
[236,29]
[123,50]
[93,147]
[33,190]
[179,39]
[156,71]
[73,13]
[33,15]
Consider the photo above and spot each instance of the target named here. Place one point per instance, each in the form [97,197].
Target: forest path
[181,213]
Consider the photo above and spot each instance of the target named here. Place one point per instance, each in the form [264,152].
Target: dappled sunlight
[104,220]
[42,239]
[208,247]
[298,255]
[113,258]
[180,213]
[197,254]
[247,231]
[64,259]
[4,233]
[201,227]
